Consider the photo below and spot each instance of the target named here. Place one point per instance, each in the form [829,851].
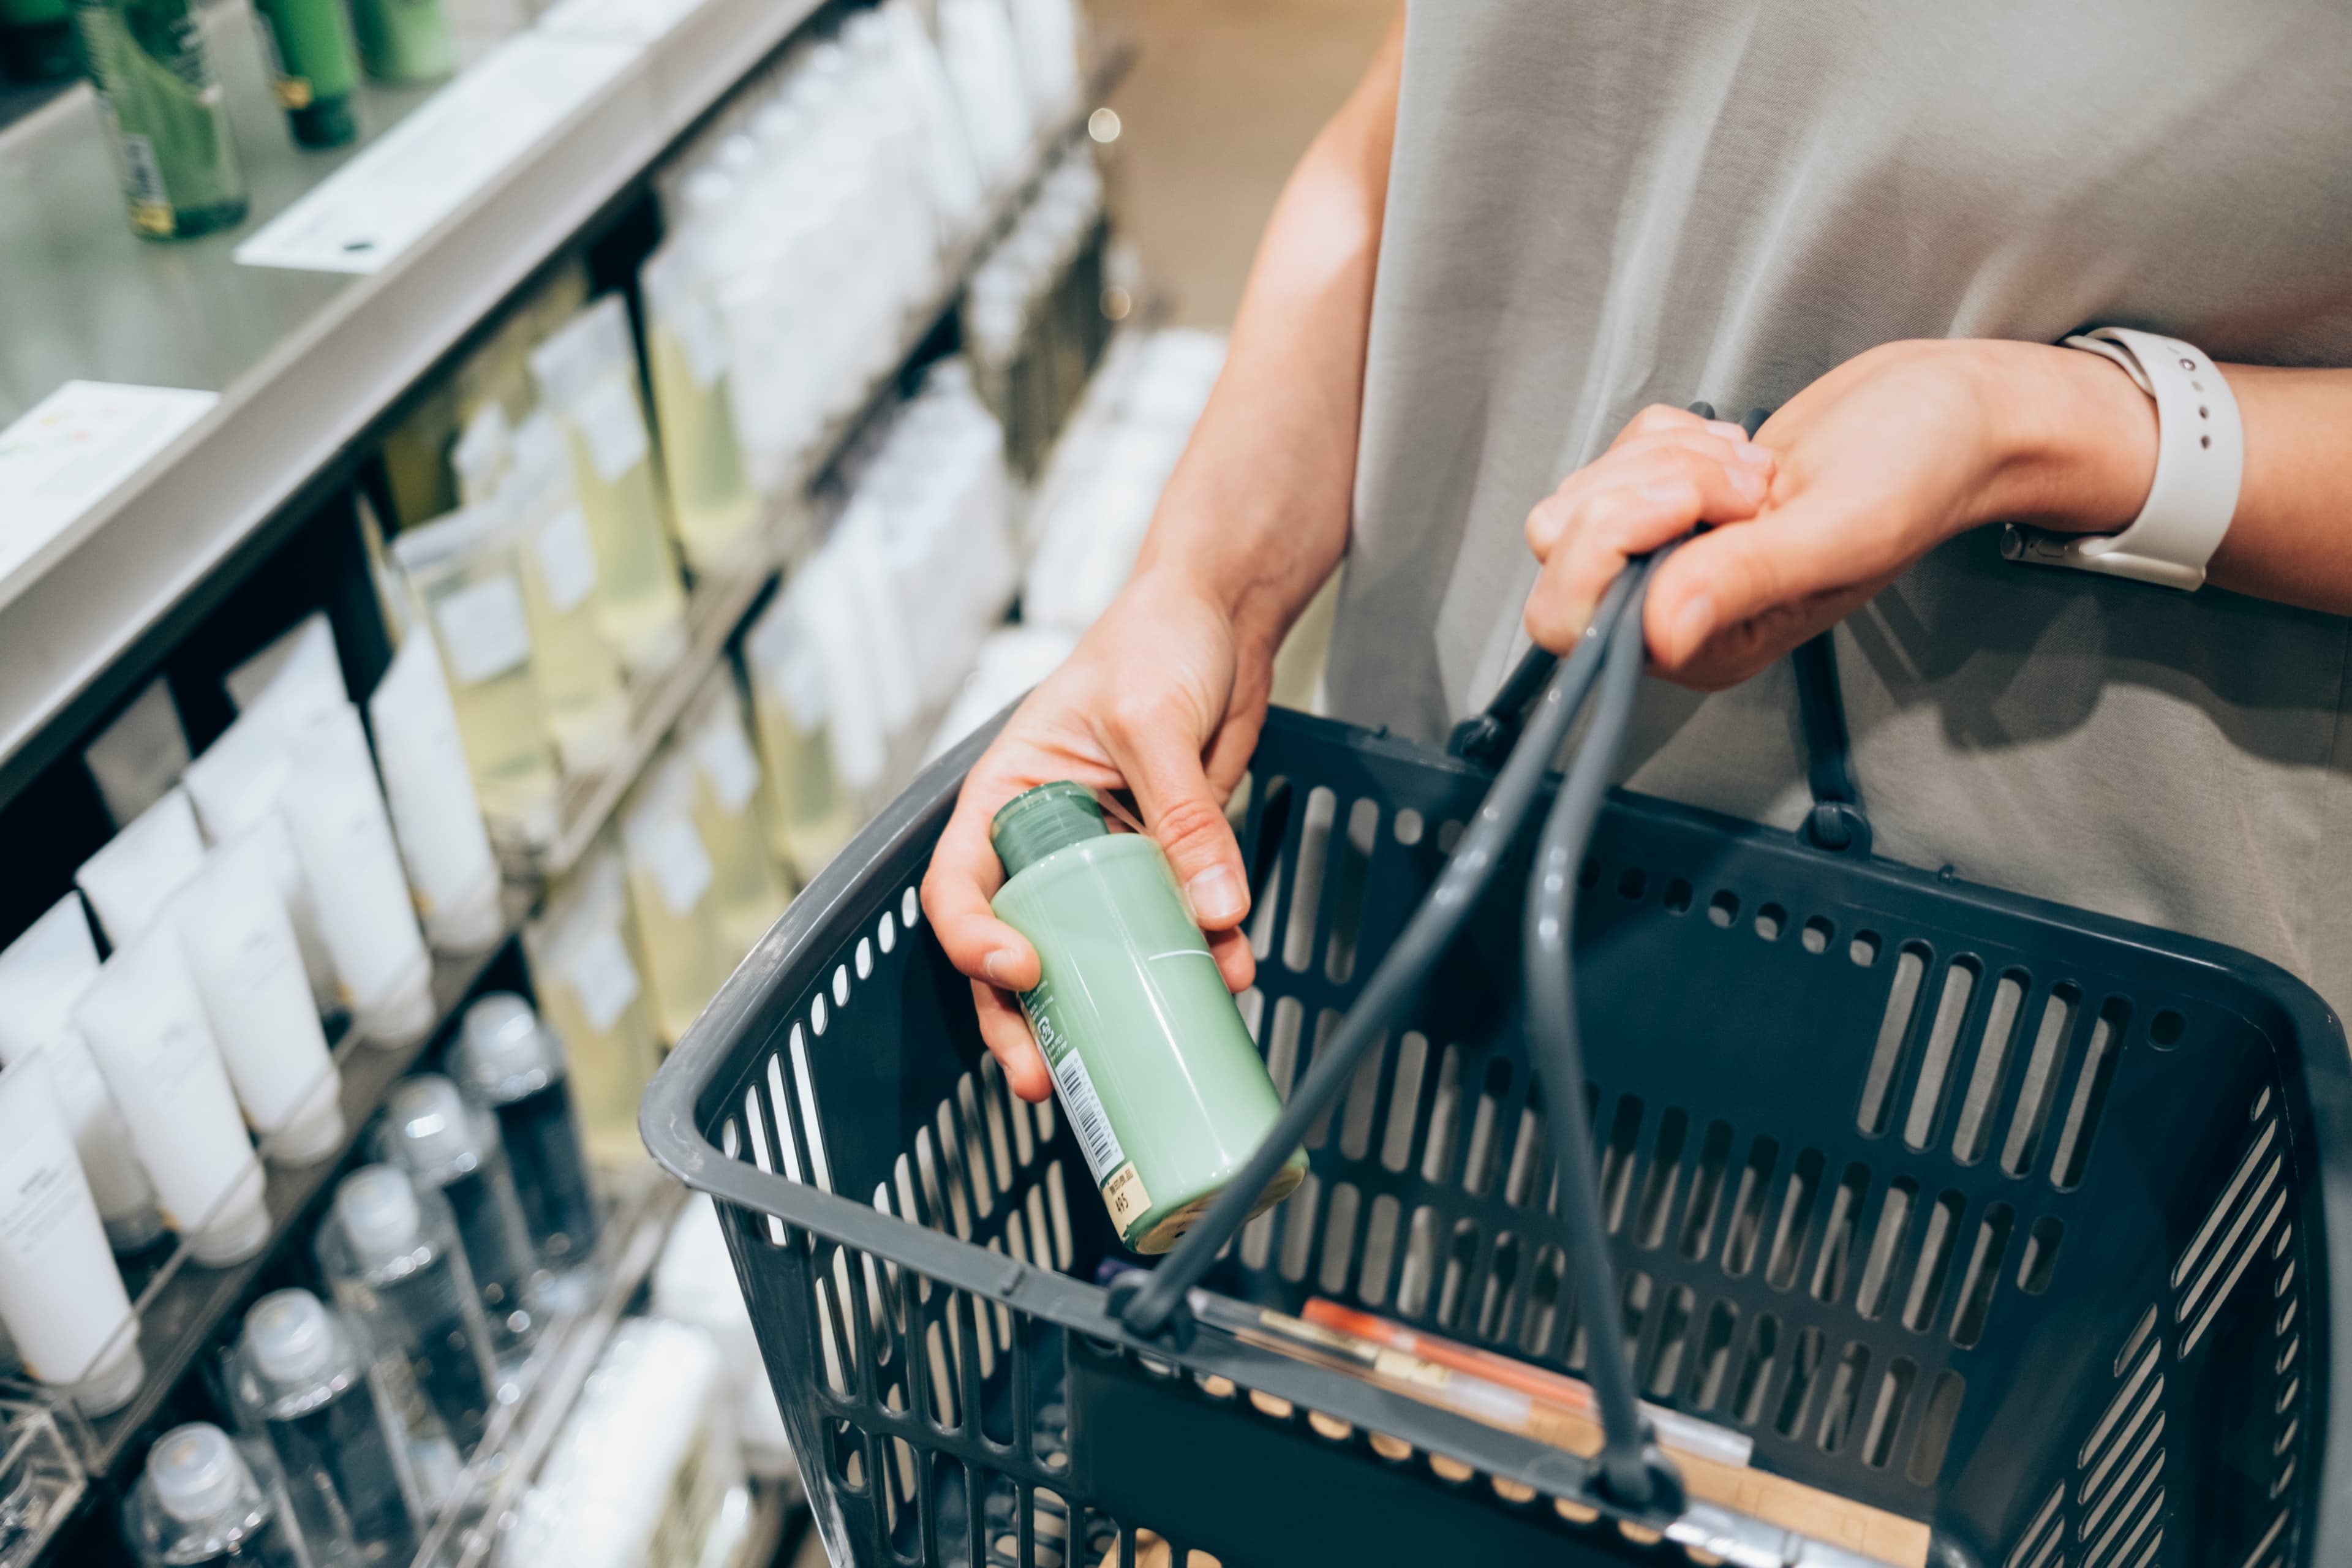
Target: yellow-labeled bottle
[745,885]
[810,816]
[712,503]
[672,893]
[579,675]
[591,982]
[588,374]
[463,569]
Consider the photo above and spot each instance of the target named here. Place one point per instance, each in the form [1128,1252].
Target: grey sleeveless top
[1598,205]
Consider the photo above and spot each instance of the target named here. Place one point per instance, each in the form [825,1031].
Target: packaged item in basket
[1154,1067]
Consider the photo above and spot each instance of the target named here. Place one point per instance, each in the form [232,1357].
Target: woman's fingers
[1006,1034]
[1637,460]
[1803,554]
[1235,961]
[1644,501]
[1159,753]
[964,875]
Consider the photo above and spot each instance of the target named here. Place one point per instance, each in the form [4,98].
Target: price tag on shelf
[71,451]
[364,214]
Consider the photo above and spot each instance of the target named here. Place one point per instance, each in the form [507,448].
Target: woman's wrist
[2070,441]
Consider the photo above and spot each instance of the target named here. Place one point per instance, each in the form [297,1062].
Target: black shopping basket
[2007,1217]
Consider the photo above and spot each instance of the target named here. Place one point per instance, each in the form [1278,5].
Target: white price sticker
[603,977]
[704,342]
[613,426]
[727,762]
[567,560]
[483,629]
[672,850]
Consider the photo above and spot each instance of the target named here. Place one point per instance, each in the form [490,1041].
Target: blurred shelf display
[41,1480]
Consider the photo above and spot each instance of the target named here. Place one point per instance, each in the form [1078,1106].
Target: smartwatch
[2200,458]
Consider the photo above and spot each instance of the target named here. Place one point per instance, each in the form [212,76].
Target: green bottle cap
[1035,823]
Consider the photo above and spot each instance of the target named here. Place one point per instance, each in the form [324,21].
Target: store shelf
[718,608]
[181,1303]
[465,1534]
[305,362]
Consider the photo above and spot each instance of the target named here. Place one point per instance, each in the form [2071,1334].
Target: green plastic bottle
[180,169]
[1156,1071]
[312,68]
[36,41]
[403,41]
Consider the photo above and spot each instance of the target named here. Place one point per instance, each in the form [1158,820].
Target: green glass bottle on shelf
[170,118]
[36,41]
[312,68]
[405,40]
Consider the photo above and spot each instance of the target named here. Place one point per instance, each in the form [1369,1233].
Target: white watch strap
[2200,459]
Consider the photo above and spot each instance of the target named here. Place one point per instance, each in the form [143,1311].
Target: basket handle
[1630,1472]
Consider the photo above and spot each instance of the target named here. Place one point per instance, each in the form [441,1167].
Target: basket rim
[805,937]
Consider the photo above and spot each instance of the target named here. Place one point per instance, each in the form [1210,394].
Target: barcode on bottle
[1086,1115]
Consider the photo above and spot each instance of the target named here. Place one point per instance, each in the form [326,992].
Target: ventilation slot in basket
[2232,1235]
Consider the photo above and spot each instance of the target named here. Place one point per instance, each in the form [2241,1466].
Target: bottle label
[1128,1199]
[1079,1101]
[703,339]
[612,427]
[725,761]
[151,205]
[483,630]
[603,977]
[567,560]
[38,1198]
[681,868]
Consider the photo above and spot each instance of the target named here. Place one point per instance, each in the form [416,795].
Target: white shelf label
[71,451]
[483,630]
[366,214]
[638,21]
[673,852]
[567,560]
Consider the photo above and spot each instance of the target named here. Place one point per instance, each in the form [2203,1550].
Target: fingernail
[1215,894]
[1750,452]
[1692,623]
[998,966]
[1726,429]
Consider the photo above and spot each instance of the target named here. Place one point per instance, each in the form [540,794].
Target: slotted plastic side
[1985,1213]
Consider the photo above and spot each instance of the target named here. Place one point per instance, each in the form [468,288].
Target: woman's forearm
[1256,513]
[2084,437]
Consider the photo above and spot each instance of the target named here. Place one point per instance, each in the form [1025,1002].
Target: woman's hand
[1165,698]
[1853,480]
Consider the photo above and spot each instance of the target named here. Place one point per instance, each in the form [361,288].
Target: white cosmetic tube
[60,1295]
[42,974]
[302,661]
[435,814]
[146,1024]
[239,944]
[335,810]
[235,786]
[134,875]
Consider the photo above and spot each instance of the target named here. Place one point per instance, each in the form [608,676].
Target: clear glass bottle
[712,503]
[446,1144]
[198,1503]
[588,374]
[464,570]
[509,1063]
[590,978]
[671,890]
[578,674]
[746,891]
[810,816]
[168,113]
[298,1378]
[391,1252]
